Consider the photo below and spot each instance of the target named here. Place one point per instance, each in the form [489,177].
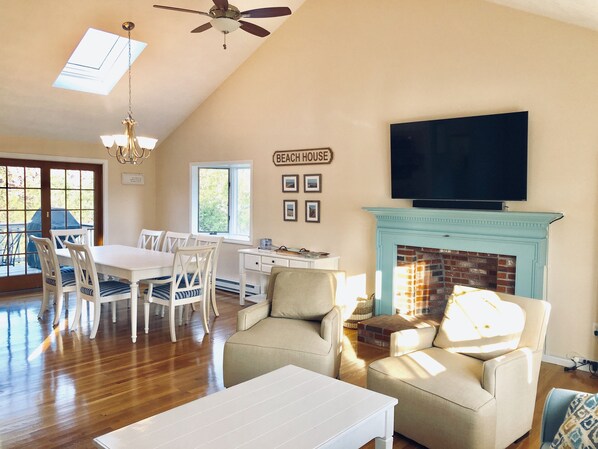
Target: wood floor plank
[59,389]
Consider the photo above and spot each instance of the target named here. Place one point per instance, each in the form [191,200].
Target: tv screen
[480,158]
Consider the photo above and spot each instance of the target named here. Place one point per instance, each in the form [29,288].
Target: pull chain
[224,45]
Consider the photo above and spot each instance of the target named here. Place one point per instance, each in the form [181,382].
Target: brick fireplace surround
[423,253]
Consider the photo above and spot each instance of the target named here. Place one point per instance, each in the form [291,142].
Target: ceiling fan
[226,18]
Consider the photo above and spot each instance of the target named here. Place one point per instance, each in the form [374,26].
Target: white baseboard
[563,362]
[233,286]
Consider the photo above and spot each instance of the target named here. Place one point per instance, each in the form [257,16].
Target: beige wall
[339,72]
[127,208]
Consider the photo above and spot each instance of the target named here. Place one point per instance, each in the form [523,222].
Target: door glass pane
[33,199]
[87,218]
[16,176]
[57,179]
[87,180]
[73,199]
[58,199]
[16,199]
[33,177]
[73,179]
[87,199]
[2,176]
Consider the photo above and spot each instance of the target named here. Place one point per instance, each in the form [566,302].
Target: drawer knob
[257,263]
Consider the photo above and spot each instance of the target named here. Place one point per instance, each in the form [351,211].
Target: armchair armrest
[508,372]
[331,328]
[410,340]
[248,317]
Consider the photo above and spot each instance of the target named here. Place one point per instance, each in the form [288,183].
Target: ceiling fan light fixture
[225,25]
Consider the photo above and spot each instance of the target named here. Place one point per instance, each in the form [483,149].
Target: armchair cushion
[303,295]
[580,428]
[479,324]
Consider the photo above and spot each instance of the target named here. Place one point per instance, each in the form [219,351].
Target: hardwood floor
[61,389]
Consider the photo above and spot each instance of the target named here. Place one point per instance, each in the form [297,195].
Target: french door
[36,196]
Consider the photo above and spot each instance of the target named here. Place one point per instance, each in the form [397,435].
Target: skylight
[98,62]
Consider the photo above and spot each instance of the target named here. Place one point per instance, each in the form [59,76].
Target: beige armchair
[467,393]
[298,324]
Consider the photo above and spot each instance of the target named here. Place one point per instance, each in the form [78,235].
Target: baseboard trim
[233,286]
[563,362]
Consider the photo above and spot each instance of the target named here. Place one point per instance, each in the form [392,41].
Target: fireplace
[516,242]
[425,277]
[423,253]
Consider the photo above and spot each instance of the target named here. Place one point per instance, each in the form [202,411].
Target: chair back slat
[62,236]
[203,240]
[48,260]
[174,240]
[86,274]
[191,270]
[150,239]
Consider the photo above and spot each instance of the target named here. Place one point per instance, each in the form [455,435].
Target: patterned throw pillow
[580,428]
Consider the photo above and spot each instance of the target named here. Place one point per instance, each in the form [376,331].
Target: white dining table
[130,263]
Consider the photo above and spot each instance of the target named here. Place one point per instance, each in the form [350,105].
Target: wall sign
[303,157]
[132,178]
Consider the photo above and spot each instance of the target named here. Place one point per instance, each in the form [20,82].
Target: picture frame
[312,211]
[312,183]
[289,210]
[290,183]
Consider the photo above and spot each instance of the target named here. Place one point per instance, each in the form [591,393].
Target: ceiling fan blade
[253,29]
[173,8]
[266,12]
[221,4]
[204,27]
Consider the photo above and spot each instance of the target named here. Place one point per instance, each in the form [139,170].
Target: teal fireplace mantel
[520,234]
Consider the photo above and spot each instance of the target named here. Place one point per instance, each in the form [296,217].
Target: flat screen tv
[480,158]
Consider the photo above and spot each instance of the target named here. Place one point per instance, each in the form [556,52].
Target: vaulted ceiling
[177,71]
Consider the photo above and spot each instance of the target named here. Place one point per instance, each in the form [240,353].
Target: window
[98,62]
[221,199]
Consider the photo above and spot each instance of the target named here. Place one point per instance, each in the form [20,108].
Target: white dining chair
[202,240]
[150,239]
[173,240]
[61,236]
[91,289]
[189,283]
[54,281]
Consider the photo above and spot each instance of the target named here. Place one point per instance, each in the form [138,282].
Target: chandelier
[127,148]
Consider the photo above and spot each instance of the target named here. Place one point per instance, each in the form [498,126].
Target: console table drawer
[278,261]
[299,264]
[253,262]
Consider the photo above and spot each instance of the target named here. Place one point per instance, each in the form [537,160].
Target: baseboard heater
[233,286]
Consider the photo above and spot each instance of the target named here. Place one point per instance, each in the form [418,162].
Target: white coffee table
[287,408]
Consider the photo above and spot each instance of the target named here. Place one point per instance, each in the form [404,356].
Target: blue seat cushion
[109,288]
[68,279]
[163,292]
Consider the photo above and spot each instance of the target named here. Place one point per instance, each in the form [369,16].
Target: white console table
[261,261]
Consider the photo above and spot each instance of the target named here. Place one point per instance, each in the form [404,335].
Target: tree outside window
[221,200]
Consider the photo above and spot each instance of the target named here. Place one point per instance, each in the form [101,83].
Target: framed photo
[312,183]
[312,211]
[290,183]
[289,208]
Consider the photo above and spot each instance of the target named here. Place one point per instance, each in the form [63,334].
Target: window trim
[194,199]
